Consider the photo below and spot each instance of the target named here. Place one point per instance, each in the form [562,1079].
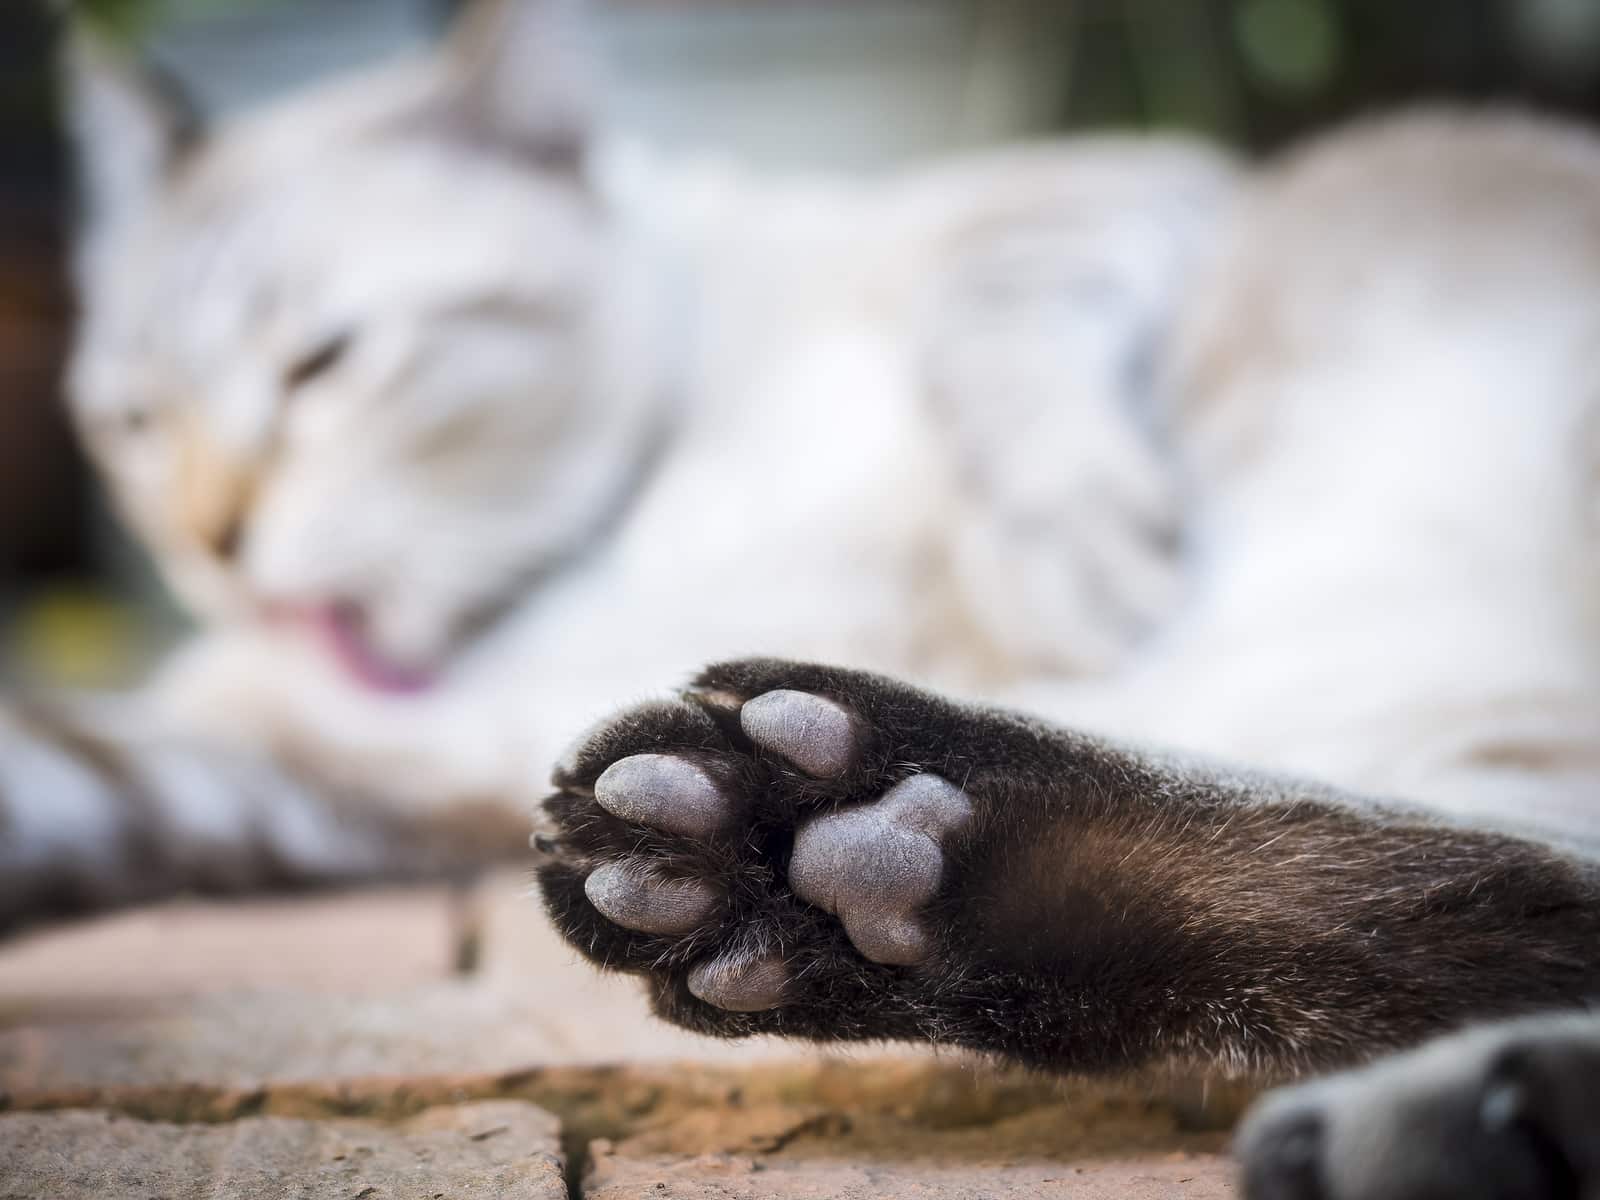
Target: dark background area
[1257,73]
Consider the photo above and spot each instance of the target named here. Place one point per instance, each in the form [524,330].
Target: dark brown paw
[828,854]
[717,837]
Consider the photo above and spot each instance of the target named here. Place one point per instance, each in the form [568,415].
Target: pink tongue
[342,628]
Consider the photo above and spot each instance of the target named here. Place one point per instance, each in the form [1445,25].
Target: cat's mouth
[344,631]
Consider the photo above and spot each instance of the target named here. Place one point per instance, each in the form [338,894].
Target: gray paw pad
[818,735]
[649,903]
[740,984]
[874,866]
[666,792]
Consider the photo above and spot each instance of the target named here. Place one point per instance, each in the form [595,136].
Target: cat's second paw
[1503,1112]
[767,848]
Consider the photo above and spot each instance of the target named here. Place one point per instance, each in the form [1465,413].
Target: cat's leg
[103,803]
[829,854]
[1502,1112]
[1059,479]
[1044,332]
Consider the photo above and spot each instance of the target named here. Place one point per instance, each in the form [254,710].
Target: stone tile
[251,1040]
[276,1023]
[731,1177]
[352,943]
[532,1001]
[502,1149]
[916,1130]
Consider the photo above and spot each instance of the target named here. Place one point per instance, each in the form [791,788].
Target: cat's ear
[130,128]
[520,75]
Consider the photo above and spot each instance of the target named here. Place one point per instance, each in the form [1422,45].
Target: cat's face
[345,364]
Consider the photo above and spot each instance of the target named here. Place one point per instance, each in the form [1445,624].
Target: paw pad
[681,823]
[640,900]
[818,735]
[874,866]
[739,984]
[665,791]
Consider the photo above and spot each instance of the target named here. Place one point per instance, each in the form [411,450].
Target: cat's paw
[773,848]
[1503,1112]
[829,854]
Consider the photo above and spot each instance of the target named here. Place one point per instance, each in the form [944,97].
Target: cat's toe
[737,982]
[635,896]
[818,735]
[874,866]
[670,792]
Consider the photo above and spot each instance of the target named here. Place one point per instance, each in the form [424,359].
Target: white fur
[901,433]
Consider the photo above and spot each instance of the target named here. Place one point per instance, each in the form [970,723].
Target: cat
[1385,426]
[458,422]
[442,411]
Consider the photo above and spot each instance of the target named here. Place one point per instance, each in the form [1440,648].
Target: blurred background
[859,85]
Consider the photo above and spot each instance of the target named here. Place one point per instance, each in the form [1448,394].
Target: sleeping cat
[1383,417]
[454,425]
[457,424]
[431,405]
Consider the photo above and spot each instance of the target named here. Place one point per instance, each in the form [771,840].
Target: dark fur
[1505,1112]
[1103,910]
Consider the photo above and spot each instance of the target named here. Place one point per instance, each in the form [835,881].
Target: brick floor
[733,1177]
[250,1037]
[496,1149]
[913,1129]
[362,943]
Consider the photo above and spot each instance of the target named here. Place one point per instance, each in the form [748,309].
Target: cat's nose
[216,518]
[211,499]
[228,538]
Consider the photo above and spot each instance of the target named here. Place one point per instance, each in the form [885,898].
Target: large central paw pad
[874,866]
[737,842]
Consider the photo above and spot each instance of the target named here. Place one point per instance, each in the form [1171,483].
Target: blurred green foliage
[127,20]
[1259,73]
[1255,72]
[1293,45]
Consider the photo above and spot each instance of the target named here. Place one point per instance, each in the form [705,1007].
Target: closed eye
[530,312]
[322,358]
[129,421]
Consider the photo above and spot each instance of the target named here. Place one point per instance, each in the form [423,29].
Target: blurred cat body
[736,449]
[457,425]
[454,423]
